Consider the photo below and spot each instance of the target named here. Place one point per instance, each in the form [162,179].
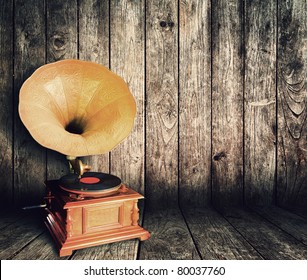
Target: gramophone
[81,108]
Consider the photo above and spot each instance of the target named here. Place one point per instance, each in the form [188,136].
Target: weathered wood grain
[289,222]
[124,250]
[29,54]
[19,234]
[270,241]
[94,31]
[292,105]
[195,103]
[41,248]
[94,46]
[128,61]
[215,238]
[6,104]
[170,238]
[301,211]
[8,217]
[260,102]
[62,43]
[161,103]
[62,37]
[227,102]
[271,233]
[165,55]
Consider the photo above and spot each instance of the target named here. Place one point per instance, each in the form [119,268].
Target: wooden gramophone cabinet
[77,222]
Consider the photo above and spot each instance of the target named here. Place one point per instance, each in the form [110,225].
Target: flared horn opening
[77,108]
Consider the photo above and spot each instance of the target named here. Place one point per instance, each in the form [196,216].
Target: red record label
[89,180]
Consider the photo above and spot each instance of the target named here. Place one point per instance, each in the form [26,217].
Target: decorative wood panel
[260,102]
[97,218]
[161,103]
[94,42]
[127,60]
[29,54]
[292,105]
[6,104]
[227,102]
[195,102]
[61,44]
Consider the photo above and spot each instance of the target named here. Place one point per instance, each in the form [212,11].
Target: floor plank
[299,211]
[215,238]
[124,250]
[7,218]
[41,248]
[289,222]
[19,234]
[170,238]
[270,241]
[269,233]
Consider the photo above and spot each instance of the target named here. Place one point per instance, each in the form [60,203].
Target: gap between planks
[190,234]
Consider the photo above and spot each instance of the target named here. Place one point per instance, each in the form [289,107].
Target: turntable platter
[91,184]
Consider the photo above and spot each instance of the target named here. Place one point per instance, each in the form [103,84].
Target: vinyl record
[90,183]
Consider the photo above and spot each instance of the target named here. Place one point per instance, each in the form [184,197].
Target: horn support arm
[77,166]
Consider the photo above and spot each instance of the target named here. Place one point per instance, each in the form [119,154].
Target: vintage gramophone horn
[77,108]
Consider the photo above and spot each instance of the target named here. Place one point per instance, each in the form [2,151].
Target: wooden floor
[265,233]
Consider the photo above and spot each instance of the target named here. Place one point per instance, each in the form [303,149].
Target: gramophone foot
[144,236]
[65,252]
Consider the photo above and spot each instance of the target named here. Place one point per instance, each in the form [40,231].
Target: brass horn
[77,108]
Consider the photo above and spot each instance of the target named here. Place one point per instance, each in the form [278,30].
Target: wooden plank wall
[29,49]
[260,101]
[220,89]
[292,111]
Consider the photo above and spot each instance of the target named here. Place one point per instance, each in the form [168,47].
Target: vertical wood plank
[6,103]
[227,102]
[195,102]
[29,156]
[62,38]
[127,60]
[94,46]
[161,103]
[292,104]
[260,102]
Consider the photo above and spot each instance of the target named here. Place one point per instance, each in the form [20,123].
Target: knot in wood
[168,22]
[171,24]
[58,42]
[219,156]
[163,23]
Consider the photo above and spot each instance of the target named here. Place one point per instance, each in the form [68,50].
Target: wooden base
[76,223]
